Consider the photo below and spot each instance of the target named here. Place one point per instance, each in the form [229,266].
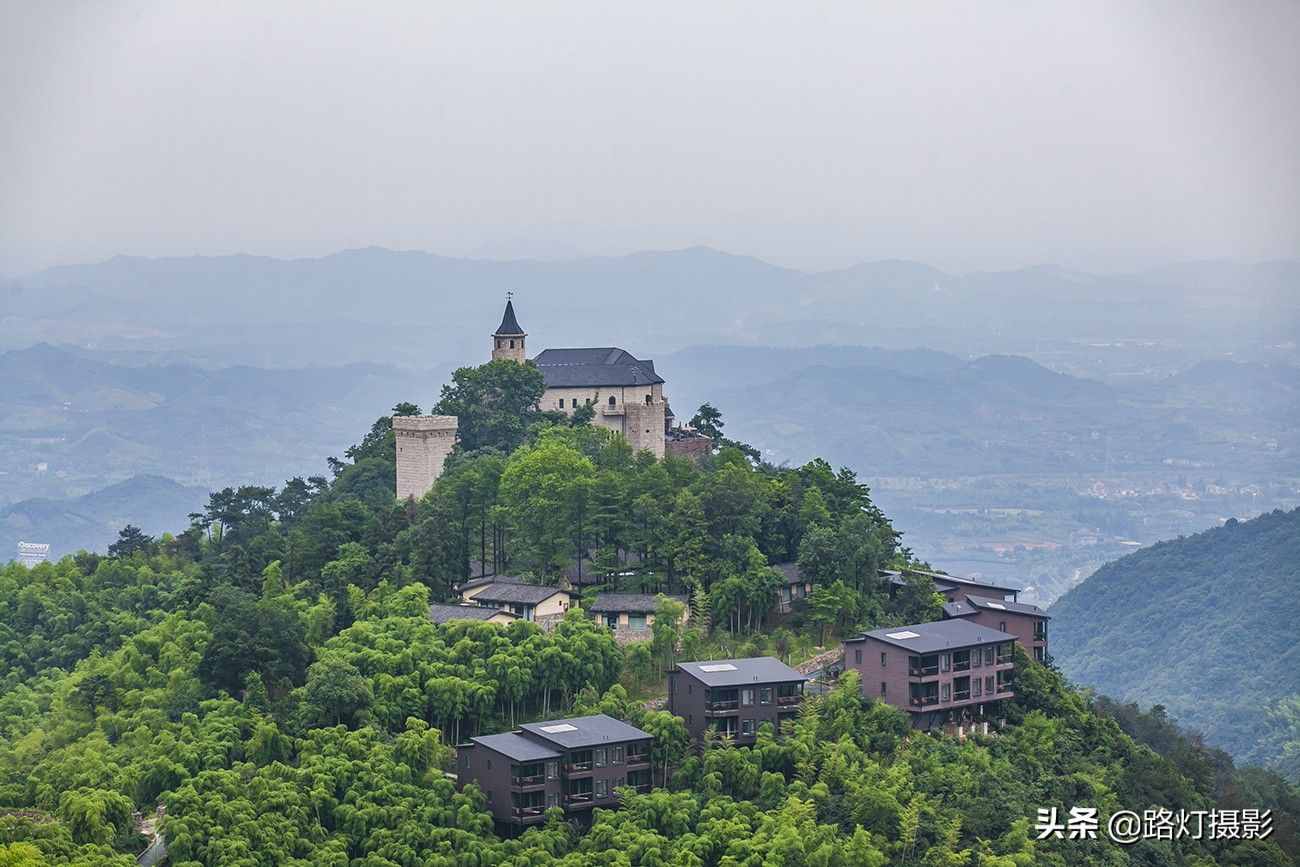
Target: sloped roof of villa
[515,746]
[970,604]
[584,731]
[740,672]
[937,635]
[595,366]
[523,594]
[448,613]
[791,573]
[635,602]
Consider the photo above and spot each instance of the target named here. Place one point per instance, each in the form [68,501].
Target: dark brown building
[794,587]
[575,764]
[951,674]
[1028,623]
[733,697]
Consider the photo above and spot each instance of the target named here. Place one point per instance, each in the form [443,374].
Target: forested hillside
[1204,626]
[271,676]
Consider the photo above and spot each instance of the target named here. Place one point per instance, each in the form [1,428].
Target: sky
[1099,135]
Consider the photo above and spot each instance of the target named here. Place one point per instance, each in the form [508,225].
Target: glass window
[602,788]
[1002,626]
[977,689]
[988,655]
[747,727]
[857,656]
[552,770]
[976,657]
[561,403]
[600,757]
[943,662]
[883,687]
[611,400]
[747,696]
[765,695]
[552,799]
[884,660]
[988,684]
[945,691]
[616,755]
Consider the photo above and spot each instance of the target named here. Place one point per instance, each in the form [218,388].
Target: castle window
[512,344]
[647,400]
[561,403]
[498,343]
[611,400]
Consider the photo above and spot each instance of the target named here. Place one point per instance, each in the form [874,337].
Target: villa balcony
[528,782]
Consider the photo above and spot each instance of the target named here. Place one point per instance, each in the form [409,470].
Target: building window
[943,662]
[988,655]
[1002,626]
[600,757]
[976,657]
[498,343]
[561,403]
[489,764]
[977,687]
[616,755]
[611,400]
[765,695]
[747,696]
[747,727]
[988,684]
[945,691]
[884,660]
[602,788]
[512,344]
[884,687]
[552,800]
[857,656]
[1038,654]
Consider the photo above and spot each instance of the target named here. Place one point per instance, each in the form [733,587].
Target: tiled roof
[447,613]
[790,571]
[739,672]
[635,602]
[596,366]
[509,326]
[523,594]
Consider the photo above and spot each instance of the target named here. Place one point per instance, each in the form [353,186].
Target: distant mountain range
[1204,625]
[419,308]
[92,521]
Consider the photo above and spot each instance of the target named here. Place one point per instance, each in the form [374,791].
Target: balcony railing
[606,409]
[524,812]
[578,767]
[925,700]
[578,798]
[638,758]
[723,704]
[789,699]
[924,671]
[961,695]
[961,666]
[532,780]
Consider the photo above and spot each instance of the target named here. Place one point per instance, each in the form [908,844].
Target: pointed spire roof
[509,326]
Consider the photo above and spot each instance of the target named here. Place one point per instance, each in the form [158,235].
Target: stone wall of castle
[640,422]
[423,443]
[643,426]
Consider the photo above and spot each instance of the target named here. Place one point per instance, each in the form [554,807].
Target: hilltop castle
[623,391]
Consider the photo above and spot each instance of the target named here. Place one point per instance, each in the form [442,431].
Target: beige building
[631,611]
[529,601]
[624,391]
[423,443]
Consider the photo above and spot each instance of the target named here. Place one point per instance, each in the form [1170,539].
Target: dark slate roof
[490,579]
[516,746]
[939,578]
[936,636]
[791,572]
[969,604]
[509,326]
[523,594]
[447,613]
[756,669]
[638,602]
[598,366]
[587,731]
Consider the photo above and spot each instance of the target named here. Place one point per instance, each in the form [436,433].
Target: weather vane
[510,293]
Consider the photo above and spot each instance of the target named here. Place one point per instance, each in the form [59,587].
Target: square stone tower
[423,443]
[508,339]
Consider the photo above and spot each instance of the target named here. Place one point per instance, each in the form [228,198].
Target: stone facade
[423,443]
[635,411]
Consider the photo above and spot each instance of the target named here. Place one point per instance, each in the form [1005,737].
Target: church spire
[508,339]
[509,324]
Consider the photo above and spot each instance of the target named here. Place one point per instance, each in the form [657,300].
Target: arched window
[512,344]
[611,400]
[561,403]
[498,343]
[647,400]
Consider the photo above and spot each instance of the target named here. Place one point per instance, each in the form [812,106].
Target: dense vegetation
[1205,627]
[271,677]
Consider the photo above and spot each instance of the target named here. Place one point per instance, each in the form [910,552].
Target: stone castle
[624,392]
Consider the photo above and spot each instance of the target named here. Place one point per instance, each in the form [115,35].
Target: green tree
[495,403]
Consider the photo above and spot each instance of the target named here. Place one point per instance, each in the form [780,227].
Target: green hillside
[1204,625]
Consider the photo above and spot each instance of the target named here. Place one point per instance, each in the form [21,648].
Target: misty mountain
[92,521]
[418,308]
[1203,625]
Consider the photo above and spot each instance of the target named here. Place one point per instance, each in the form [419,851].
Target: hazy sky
[968,135]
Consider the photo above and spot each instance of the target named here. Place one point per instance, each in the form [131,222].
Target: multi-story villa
[953,587]
[733,697]
[950,674]
[574,764]
[1028,623]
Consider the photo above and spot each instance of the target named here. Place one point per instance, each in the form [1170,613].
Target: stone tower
[508,340]
[423,443]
